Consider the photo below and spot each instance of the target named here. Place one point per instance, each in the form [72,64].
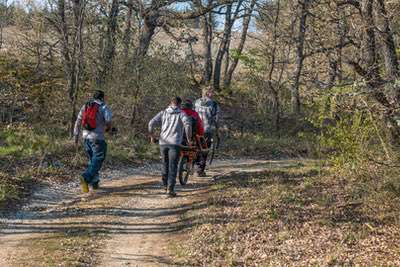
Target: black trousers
[202,161]
[170,159]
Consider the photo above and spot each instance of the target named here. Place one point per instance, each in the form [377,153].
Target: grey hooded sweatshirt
[208,110]
[173,124]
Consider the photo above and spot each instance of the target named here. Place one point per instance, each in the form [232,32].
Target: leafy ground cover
[296,216]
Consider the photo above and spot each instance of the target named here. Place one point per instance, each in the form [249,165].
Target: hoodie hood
[205,100]
[173,109]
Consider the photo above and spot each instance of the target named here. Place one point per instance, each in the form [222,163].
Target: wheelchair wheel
[183,170]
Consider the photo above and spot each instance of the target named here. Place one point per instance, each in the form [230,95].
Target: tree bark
[389,47]
[295,96]
[79,16]
[223,47]
[72,51]
[207,45]
[128,29]
[2,17]
[1,36]
[369,43]
[371,73]
[271,88]
[148,30]
[332,72]
[108,53]
[341,33]
[246,22]
[227,59]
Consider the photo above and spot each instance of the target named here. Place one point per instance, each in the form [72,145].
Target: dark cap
[99,95]
[187,104]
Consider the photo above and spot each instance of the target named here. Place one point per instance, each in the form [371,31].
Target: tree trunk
[227,59]
[295,96]
[389,47]
[332,72]
[271,88]
[149,27]
[207,45]
[108,53]
[339,52]
[246,22]
[369,43]
[69,69]
[371,73]
[223,47]
[79,15]
[275,109]
[1,35]
[128,29]
[341,35]
[72,51]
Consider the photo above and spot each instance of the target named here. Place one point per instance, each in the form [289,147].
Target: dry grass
[64,249]
[294,217]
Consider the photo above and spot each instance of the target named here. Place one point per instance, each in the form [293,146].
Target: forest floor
[129,221]
[245,213]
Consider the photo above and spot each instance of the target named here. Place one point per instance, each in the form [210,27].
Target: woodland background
[300,78]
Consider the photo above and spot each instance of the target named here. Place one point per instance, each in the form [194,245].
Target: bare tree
[107,51]
[371,69]
[158,13]
[207,28]
[230,17]
[300,39]
[70,34]
[245,26]
[127,39]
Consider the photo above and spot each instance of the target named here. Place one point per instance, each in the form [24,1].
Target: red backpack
[89,115]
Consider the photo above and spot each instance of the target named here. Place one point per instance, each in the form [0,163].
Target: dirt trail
[131,210]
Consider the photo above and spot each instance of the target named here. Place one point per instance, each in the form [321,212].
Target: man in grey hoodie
[173,125]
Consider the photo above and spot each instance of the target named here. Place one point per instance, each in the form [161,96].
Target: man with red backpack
[95,119]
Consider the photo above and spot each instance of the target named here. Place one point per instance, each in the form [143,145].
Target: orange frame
[192,151]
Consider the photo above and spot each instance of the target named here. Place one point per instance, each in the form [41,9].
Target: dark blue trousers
[96,151]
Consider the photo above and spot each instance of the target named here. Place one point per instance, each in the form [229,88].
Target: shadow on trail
[287,164]
[108,218]
[254,179]
[145,258]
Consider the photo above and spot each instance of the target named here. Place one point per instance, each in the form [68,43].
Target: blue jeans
[96,151]
[170,158]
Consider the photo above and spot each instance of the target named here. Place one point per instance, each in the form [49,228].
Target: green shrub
[21,140]
[348,134]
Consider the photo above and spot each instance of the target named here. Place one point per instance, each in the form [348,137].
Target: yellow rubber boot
[84,185]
